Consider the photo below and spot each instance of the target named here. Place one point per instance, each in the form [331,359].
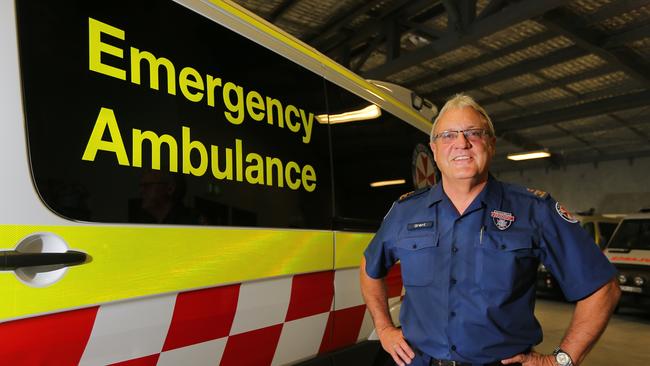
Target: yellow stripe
[349,248]
[313,53]
[131,262]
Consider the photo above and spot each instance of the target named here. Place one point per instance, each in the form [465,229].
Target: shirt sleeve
[570,254]
[378,254]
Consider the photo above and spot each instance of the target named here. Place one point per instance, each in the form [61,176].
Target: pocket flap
[418,242]
[510,241]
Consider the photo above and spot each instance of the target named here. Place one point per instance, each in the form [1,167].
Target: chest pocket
[417,255]
[506,261]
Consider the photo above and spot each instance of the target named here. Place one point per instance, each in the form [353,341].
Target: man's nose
[464,141]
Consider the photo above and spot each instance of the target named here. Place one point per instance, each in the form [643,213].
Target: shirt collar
[490,195]
[436,194]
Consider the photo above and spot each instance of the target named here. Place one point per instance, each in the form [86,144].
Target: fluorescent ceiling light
[387,183]
[369,112]
[529,155]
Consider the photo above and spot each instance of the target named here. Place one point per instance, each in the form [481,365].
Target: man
[161,202]
[469,249]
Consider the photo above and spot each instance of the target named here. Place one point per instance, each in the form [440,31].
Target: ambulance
[186,184]
[629,251]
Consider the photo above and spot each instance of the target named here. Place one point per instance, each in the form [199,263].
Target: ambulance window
[632,234]
[146,112]
[367,151]
[606,230]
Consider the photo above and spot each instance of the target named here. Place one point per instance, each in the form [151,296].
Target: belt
[435,362]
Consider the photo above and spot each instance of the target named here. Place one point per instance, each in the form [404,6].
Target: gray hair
[459,101]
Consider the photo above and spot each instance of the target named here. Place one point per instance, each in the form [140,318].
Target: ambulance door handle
[10,260]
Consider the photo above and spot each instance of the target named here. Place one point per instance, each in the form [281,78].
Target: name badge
[419,225]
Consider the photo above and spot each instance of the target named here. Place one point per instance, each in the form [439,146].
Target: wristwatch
[562,358]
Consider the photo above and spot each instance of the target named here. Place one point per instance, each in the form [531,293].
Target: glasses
[472,134]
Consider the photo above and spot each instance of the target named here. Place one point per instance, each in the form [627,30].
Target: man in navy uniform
[469,249]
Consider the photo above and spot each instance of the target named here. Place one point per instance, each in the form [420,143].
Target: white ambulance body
[185,184]
[629,251]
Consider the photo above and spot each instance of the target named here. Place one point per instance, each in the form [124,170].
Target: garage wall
[620,186]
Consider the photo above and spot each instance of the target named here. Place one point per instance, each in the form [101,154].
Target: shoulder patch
[409,195]
[537,192]
[564,213]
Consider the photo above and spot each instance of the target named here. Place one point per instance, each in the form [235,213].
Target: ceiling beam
[564,23]
[368,31]
[594,108]
[280,9]
[570,79]
[486,57]
[568,101]
[628,123]
[338,22]
[429,32]
[628,35]
[422,10]
[615,8]
[329,30]
[393,39]
[511,14]
[453,16]
[370,47]
[491,8]
[460,14]
[467,12]
[630,126]
[566,132]
[521,68]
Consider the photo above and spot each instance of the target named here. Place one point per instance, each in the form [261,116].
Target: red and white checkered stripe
[269,322]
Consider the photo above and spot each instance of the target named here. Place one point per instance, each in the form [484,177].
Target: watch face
[562,359]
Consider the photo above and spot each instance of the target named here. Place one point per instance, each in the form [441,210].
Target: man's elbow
[612,292]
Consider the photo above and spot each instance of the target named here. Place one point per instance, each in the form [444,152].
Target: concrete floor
[625,342]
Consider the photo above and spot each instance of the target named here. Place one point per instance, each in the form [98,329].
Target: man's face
[154,190]
[463,158]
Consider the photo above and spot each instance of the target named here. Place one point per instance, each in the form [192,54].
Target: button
[414,246]
[453,313]
[454,249]
[453,281]
[453,348]
[503,246]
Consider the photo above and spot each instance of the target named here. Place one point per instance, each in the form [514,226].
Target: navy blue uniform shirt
[470,278]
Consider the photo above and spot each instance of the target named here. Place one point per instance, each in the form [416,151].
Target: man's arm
[391,338]
[589,321]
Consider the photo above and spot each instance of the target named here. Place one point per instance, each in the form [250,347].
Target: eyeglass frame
[484,133]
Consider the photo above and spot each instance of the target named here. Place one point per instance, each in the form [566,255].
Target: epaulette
[537,193]
[409,195]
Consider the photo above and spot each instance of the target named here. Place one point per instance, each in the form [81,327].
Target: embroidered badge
[502,220]
[564,213]
[537,192]
[419,225]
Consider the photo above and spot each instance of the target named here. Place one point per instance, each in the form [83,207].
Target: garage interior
[568,77]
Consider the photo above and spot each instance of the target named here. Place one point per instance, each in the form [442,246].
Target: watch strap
[564,354]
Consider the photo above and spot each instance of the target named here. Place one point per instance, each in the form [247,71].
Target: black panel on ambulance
[208,137]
